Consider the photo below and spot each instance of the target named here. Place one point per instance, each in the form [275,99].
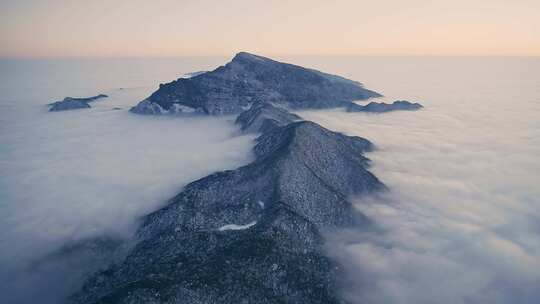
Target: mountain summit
[250,78]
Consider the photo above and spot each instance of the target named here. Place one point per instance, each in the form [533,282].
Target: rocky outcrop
[150,108]
[250,235]
[264,116]
[68,105]
[248,79]
[71,103]
[381,107]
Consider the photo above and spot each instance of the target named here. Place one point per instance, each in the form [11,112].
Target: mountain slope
[250,235]
[248,79]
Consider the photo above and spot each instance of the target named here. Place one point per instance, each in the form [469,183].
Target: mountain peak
[248,79]
[245,56]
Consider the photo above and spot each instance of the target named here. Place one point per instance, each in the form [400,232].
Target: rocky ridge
[253,234]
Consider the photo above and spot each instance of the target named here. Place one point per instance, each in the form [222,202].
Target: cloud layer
[461,222]
[74,175]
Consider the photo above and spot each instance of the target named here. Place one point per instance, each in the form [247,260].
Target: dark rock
[250,235]
[302,164]
[81,99]
[146,107]
[278,260]
[71,103]
[86,99]
[264,116]
[68,105]
[381,107]
[248,79]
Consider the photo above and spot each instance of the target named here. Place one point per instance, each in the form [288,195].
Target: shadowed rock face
[381,107]
[264,116]
[250,235]
[248,79]
[71,103]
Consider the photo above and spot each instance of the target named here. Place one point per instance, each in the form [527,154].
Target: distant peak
[245,56]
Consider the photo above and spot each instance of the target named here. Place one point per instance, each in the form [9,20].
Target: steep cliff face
[250,235]
[248,79]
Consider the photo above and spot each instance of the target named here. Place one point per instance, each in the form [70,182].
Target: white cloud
[461,222]
[77,174]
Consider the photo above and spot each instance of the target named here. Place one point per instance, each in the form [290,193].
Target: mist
[461,221]
[93,173]
[459,224]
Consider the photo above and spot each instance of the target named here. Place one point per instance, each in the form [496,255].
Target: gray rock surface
[249,78]
[264,116]
[68,105]
[381,107]
[72,103]
[250,235]
[147,107]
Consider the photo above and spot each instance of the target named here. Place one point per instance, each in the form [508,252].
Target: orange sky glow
[167,28]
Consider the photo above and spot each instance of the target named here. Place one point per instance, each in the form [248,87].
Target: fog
[95,173]
[461,222]
[75,175]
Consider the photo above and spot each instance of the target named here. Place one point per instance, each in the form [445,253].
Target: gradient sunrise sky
[164,28]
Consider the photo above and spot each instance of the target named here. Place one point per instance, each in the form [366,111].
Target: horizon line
[76,57]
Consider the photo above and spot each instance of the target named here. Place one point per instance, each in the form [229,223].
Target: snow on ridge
[237,227]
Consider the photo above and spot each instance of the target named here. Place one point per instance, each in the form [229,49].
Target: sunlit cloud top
[139,28]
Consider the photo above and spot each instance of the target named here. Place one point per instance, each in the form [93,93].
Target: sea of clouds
[69,176]
[461,221]
[83,174]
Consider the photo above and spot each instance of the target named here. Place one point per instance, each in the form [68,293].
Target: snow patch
[237,227]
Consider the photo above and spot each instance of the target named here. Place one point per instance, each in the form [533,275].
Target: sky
[169,28]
